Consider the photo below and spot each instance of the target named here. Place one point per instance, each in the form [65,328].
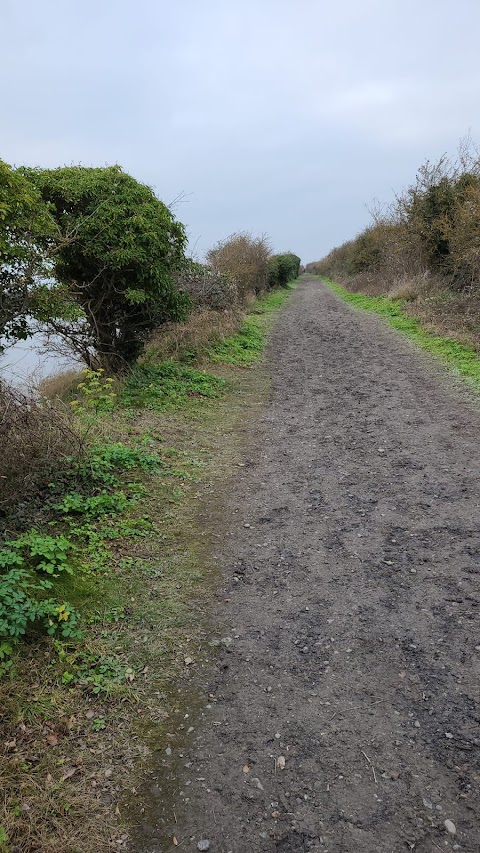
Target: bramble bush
[206,287]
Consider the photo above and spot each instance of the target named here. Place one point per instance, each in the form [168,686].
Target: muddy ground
[348,612]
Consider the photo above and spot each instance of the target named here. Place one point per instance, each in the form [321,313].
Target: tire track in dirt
[351,608]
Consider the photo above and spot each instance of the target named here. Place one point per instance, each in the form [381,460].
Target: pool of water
[28,362]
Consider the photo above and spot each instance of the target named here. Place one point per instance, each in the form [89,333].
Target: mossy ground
[77,718]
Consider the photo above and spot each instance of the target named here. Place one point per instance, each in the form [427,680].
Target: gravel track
[349,606]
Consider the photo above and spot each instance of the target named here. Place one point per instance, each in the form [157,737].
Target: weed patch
[167,386]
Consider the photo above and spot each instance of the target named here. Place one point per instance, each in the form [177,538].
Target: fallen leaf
[52,739]
[188,661]
[90,714]
[68,773]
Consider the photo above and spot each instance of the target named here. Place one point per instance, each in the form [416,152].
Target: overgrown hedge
[433,229]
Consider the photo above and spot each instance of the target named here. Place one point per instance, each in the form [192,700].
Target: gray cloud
[277,116]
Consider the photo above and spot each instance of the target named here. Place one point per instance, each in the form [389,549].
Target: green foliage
[282,269]
[43,553]
[95,506]
[118,249]
[103,463]
[168,385]
[94,673]
[25,226]
[97,395]
[23,603]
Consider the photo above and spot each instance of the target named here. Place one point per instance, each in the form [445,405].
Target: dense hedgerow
[282,269]
[432,230]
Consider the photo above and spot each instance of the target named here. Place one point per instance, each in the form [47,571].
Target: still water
[27,363]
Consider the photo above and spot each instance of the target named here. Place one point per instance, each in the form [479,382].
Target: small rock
[168,751]
[428,804]
[257,783]
[281,762]
[188,661]
[203,844]
[450,827]
[449,735]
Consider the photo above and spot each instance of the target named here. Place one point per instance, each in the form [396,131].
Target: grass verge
[246,346]
[122,538]
[461,359]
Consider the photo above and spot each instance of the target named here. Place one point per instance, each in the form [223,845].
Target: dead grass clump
[62,386]
[191,339]
[36,437]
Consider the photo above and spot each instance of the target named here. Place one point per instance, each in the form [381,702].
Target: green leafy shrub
[116,254]
[43,553]
[25,225]
[282,269]
[23,603]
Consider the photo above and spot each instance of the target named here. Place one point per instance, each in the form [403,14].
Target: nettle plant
[28,566]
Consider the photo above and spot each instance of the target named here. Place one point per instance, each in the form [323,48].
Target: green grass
[246,347]
[462,360]
[168,385]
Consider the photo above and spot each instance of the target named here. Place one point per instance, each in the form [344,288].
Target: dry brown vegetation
[36,438]
[245,259]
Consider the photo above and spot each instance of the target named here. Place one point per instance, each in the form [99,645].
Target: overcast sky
[277,116]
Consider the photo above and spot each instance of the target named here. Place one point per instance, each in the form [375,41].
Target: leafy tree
[25,227]
[118,247]
[282,269]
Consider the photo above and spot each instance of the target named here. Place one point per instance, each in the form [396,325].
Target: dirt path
[350,607]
